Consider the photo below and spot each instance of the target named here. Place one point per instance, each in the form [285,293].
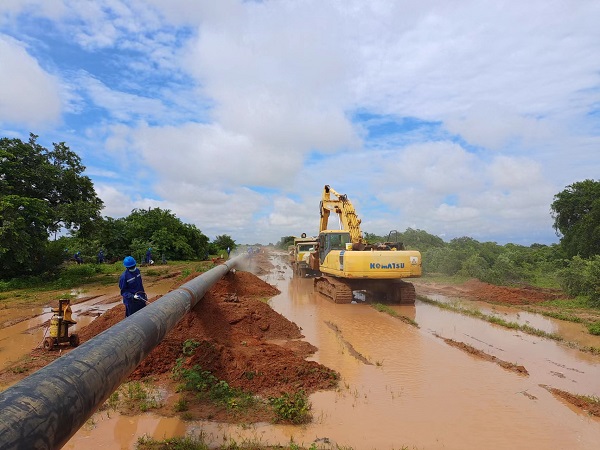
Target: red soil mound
[235,331]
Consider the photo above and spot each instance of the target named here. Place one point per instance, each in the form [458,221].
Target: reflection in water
[114,431]
[417,391]
[125,431]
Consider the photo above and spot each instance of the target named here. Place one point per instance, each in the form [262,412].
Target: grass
[74,275]
[388,310]
[556,315]
[579,302]
[176,443]
[289,408]
[191,442]
[292,408]
[185,273]
[595,327]
[491,319]
[134,396]
[38,291]
[206,386]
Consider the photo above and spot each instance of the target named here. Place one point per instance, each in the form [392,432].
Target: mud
[485,356]
[478,290]
[581,402]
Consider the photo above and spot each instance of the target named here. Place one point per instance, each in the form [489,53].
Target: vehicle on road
[299,256]
[354,270]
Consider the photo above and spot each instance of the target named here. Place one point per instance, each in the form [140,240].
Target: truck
[352,269]
[299,255]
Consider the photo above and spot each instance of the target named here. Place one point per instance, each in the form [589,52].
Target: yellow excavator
[354,270]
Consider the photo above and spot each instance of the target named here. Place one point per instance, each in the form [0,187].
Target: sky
[459,118]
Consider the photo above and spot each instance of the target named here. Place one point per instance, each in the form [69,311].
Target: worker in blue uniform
[132,288]
[148,258]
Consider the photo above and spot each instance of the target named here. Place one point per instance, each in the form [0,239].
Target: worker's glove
[140,296]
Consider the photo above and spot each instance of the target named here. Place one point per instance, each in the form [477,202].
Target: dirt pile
[510,295]
[478,290]
[239,336]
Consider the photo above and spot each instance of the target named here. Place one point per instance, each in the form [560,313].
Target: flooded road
[404,386]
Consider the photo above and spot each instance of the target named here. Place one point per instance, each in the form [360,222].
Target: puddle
[18,339]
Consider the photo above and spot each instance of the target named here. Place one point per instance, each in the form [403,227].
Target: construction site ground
[244,341]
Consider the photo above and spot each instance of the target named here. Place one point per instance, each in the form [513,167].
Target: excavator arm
[343,207]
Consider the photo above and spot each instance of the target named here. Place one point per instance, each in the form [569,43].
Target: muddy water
[404,386]
[571,332]
[18,339]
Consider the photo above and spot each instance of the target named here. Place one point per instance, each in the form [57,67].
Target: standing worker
[148,259]
[228,252]
[132,288]
[77,257]
[101,257]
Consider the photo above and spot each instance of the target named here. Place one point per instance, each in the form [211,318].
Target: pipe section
[44,410]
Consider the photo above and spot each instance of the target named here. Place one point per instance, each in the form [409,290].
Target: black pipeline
[46,409]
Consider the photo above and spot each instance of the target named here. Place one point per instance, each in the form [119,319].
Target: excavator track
[333,289]
[407,293]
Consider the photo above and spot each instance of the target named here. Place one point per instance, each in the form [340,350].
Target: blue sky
[460,118]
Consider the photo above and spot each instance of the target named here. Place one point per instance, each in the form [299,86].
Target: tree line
[43,192]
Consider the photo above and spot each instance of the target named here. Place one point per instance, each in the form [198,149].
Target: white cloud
[249,111]
[122,106]
[119,202]
[275,76]
[493,126]
[28,94]
[53,9]
[208,154]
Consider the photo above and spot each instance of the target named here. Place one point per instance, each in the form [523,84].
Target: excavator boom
[343,207]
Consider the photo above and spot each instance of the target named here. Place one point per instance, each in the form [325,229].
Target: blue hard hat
[129,262]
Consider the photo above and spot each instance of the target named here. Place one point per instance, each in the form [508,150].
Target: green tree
[41,191]
[444,260]
[165,233]
[285,242]
[421,240]
[152,228]
[582,277]
[223,241]
[576,214]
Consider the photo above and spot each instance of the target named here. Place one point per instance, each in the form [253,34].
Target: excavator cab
[332,240]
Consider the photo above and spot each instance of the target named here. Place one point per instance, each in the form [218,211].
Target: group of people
[100,257]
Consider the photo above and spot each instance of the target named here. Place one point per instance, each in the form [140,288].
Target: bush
[506,271]
[475,267]
[207,386]
[442,260]
[594,328]
[294,408]
[582,277]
